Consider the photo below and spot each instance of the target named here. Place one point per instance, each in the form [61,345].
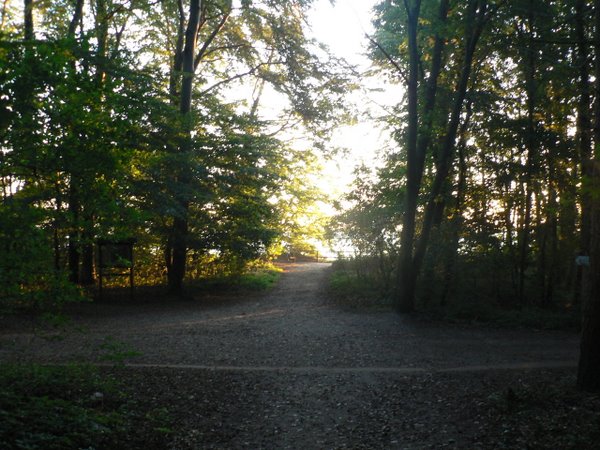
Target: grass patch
[47,407]
[258,279]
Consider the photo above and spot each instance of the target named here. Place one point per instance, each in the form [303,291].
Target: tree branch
[389,57]
[210,38]
[236,77]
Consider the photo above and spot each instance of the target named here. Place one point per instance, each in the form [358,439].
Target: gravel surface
[289,369]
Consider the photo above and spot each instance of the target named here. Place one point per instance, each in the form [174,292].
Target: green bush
[254,280]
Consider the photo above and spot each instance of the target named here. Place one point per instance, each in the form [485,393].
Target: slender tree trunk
[179,230]
[551,236]
[409,268]
[87,253]
[175,73]
[28,20]
[74,241]
[76,19]
[405,279]
[417,144]
[473,30]
[530,146]
[584,136]
[74,233]
[457,217]
[56,228]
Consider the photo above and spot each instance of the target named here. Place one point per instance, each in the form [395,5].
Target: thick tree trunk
[588,375]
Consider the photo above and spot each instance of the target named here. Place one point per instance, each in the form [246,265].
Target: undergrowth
[63,407]
[254,280]
[527,317]
[349,289]
[545,415]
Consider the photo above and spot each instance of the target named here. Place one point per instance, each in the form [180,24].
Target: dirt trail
[287,369]
[291,326]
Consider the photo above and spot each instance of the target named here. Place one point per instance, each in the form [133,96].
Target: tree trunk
[530,146]
[87,254]
[417,144]
[410,267]
[473,32]
[28,20]
[74,233]
[583,135]
[588,375]
[405,284]
[179,230]
[456,220]
[76,19]
[551,236]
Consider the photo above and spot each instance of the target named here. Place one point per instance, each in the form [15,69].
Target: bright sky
[342,27]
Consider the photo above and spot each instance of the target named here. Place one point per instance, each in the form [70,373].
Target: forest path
[288,369]
[291,327]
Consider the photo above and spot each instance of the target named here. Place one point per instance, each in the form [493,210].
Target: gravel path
[288,369]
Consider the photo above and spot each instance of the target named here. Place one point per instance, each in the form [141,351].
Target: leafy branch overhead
[160,120]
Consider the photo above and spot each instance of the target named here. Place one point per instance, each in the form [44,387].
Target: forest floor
[288,368]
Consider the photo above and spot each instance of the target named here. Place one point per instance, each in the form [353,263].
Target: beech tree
[119,119]
[215,44]
[448,44]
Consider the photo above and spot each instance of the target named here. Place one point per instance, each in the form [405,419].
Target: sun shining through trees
[199,128]
[451,147]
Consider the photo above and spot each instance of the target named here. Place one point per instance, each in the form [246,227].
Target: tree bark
[584,131]
[74,233]
[477,13]
[405,278]
[588,374]
[410,261]
[530,147]
[28,20]
[456,220]
[77,16]
[179,229]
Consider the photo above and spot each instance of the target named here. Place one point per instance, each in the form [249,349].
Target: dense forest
[150,121]
[491,193]
[119,119]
